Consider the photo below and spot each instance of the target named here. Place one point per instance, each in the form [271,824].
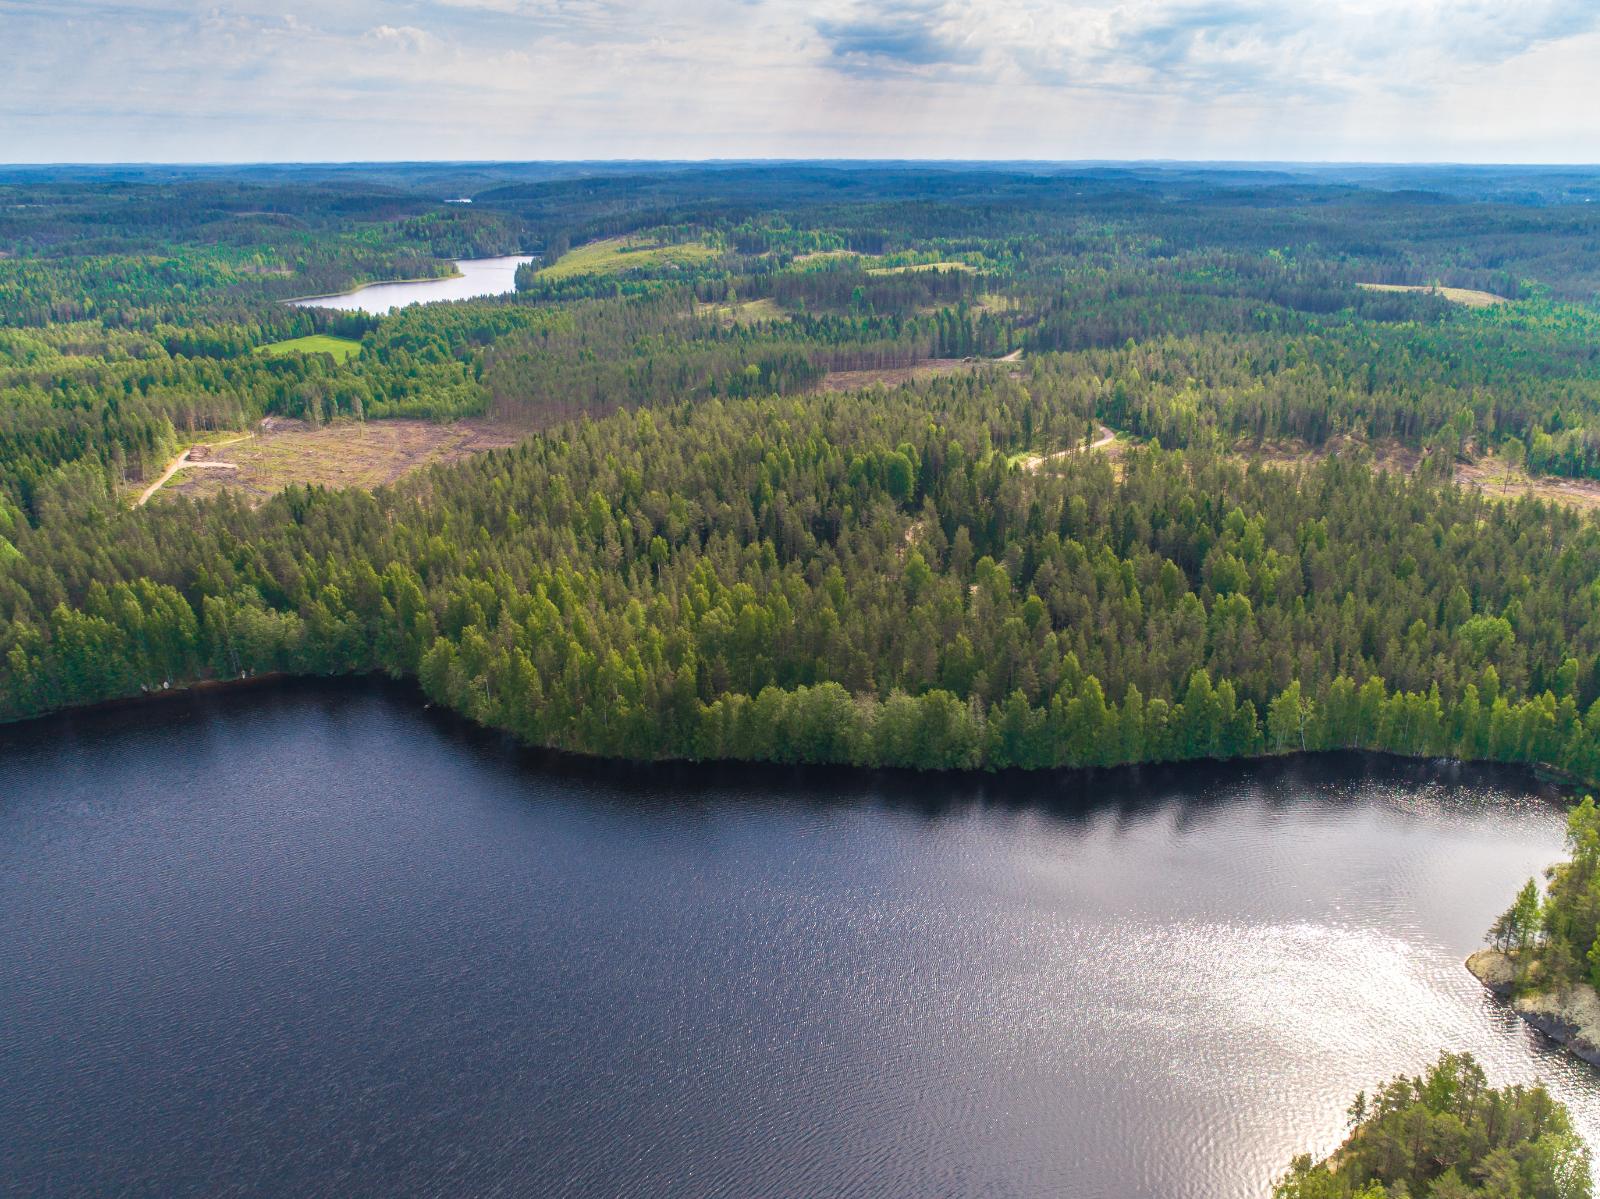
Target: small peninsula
[1447,1134]
[1543,957]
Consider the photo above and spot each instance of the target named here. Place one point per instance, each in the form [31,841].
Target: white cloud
[1465,79]
[407,37]
[1261,46]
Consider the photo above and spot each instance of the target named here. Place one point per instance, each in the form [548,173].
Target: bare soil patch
[344,454]
[1458,295]
[895,375]
[1488,473]
[744,312]
[1494,476]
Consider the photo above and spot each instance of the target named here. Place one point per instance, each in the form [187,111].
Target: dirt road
[1035,461]
[182,460]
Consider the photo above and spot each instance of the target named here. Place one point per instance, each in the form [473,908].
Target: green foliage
[1519,928]
[702,555]
[682,582]
[619,256]
[1447,1134]
[1555,941]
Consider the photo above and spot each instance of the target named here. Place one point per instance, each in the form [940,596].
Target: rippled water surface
[320,942]
[478,277]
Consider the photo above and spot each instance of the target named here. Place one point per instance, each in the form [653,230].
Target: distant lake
[478,277]
[315,940]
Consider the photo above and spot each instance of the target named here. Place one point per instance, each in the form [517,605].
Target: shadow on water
[1335,778]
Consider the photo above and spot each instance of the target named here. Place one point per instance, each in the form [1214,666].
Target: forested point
[1447,1134]
[700,552]
[1551,935]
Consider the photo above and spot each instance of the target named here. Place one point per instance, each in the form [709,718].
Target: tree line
[867,578]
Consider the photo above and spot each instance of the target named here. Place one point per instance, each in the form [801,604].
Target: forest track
[182,460]
[1032,462]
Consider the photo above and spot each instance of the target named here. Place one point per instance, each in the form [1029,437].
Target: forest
[704,547]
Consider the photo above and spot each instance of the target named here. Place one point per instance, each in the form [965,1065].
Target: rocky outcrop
[1569,1016]
[1494,970]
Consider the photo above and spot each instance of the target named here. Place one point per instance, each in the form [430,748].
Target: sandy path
[182,460]
[1035,461]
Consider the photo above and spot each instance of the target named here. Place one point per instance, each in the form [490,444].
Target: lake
[315,940]
[478,277]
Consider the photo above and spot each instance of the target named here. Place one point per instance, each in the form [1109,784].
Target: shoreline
[1570,1018]
[585,763]
[183,690]
[457,273]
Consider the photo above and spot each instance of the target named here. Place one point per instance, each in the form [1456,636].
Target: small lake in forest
[478,277]
[315,940]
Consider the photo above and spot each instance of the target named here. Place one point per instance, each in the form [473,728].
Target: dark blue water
[319,942]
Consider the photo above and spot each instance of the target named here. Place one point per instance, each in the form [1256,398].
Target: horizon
[825,160]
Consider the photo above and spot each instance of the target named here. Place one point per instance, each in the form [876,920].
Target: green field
[342,348]
[615,255]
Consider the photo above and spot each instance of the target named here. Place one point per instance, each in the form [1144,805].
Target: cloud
[1277,48]
[568,10]
[405,37]
[301,79]
[887,38]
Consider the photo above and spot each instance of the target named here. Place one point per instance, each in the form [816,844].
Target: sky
[344,80]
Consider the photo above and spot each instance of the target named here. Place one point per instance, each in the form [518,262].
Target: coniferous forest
[886,466]
[1448,1134]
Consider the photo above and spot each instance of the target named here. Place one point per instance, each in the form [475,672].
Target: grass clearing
[999,305]
[1457,295]
[616,255]
[342,348]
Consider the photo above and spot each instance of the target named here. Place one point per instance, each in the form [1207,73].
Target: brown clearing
[1493,476]
[344,454]
[893,376]
[742,312]
[376,453]
[1459,295]
[1487,472]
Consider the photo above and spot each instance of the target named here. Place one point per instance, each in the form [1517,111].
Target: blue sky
[1368,80]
